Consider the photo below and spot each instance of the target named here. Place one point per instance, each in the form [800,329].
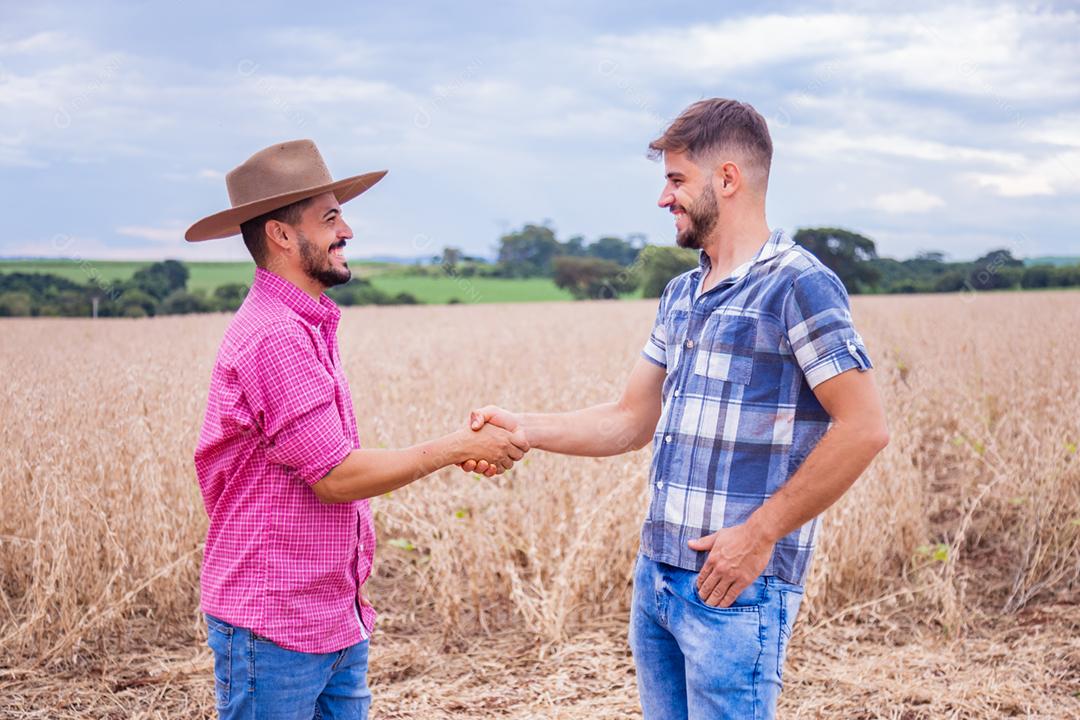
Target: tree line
[609,267]
[606,268]
[157,289]
[853,257]
[613,267]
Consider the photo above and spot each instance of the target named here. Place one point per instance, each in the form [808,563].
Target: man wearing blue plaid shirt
[758,424]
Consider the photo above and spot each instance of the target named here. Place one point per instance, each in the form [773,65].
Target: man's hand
[737,557]
[497,447]
[494,415]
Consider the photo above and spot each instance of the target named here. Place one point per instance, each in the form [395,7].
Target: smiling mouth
[338,250]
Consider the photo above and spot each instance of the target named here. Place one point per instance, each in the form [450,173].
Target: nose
[667,198]
[345,232]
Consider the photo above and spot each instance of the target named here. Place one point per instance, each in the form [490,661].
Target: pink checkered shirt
[279,417]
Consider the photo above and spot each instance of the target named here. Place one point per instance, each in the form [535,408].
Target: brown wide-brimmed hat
[273,178]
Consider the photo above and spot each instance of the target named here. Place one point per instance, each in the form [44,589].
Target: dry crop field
[945,585]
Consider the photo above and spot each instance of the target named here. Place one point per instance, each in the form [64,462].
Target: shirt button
[676,393]
[659,484]
[689,344]
[667,438]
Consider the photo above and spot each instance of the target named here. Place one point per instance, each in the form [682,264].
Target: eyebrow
[674,174]
[331,210]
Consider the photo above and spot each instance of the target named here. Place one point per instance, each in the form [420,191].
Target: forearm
[831,468]
[597,431]
[368,473]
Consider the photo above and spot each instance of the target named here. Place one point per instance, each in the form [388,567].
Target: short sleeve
[655,350]
[817,316]
[292,396]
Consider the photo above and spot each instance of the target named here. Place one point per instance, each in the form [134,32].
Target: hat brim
[227,222]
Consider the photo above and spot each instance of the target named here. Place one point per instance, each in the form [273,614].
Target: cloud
[202,175]
[995,53]
[817,143]
[734,45]
[915,200]
[970,104]
[172,233]
[1050,175]
[1063,129]
[37,44]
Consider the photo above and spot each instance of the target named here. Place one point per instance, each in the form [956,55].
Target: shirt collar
[778,242]
[312,310]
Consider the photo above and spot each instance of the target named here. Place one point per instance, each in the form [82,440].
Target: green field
[390,278]
[443,289]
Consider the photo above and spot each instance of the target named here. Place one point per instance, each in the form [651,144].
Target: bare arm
[607,429]
[597,431]
[367,473]
[739,554]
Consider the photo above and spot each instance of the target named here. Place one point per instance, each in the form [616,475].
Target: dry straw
[945,583]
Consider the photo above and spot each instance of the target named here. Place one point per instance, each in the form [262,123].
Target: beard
[318,265]
[702,216]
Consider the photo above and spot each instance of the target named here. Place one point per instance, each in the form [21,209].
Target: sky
[948,128]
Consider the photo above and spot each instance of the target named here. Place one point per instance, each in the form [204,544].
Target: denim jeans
[698,662]
[255,679]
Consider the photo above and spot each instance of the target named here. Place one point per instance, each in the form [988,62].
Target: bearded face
[325,266]
[701,218]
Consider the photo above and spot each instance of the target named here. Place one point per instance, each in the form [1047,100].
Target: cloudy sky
[927,129]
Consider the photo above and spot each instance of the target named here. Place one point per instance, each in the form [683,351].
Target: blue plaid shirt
[739,415]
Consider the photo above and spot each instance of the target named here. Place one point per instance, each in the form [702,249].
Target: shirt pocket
[675,326]
[727,350]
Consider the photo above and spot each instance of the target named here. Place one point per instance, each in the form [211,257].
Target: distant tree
[1037,276]
[451,256]
[999,258]
[1066,276]
[951,281]
[16,304]
[658,264]
[136,303]
[593,278]
[360,291]
[529,252]
[161,278]
[36,284]
[846,253]
[182,302]
[230,296]
[614,249]
[575,246]
[73,303]
[404,298]
[996,270]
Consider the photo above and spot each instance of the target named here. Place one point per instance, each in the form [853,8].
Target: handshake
[494,440]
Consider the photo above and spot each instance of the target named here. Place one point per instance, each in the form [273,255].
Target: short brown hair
[717,123]
[254,230]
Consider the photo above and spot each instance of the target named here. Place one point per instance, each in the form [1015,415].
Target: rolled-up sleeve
[292,395]
[822,335]
[655,350]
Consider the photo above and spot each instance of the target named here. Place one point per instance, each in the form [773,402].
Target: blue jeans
[255,679]
[697,662]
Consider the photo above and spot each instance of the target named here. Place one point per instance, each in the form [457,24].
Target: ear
[277,233]
[727,178]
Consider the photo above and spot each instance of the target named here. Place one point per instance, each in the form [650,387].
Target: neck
[732,243]
[300,279]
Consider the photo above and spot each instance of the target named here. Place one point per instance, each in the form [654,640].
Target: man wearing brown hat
[291,540]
